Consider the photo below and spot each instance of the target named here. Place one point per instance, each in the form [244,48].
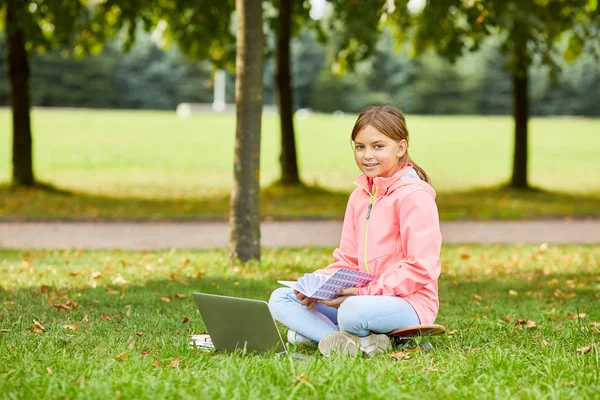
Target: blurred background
[132,106]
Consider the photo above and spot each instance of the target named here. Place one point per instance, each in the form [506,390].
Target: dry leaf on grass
[584,350]
[186,319]
[513,292]
[119,280]
[166,299]
[181,296]
[561,295]
[156,362]
[9,373]
[68,305]
[415,350]
[175,363]
[452,332]
[400,356]
[140,333]
[105,317]
[49,371]
[121,357]
[477,297]
[96,275]
[525,323]
[575,316]
[38,327]
[71,327]
[3,330]
[302,378]
[131,345]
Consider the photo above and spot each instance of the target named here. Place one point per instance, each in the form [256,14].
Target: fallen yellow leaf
[561,295]
[175,363]
[166,299]
[302,378]
[186,319]
[477,297]
[131,345]
[140,333]
[121,357]
[523,323]
[49,371]
[574,316]
[400,355]
[513,292]
[4,330]
[181,296]
[156,362]
[71,327]
[584,350]
[38,327]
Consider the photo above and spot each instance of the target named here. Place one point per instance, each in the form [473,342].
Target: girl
[391,229]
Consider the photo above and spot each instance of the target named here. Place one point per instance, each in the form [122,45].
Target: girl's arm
[345,256]
[421,240]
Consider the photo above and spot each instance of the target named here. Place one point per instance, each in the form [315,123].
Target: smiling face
[376,154]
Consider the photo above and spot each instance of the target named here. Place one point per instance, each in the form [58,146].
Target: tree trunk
[521,117]
[244,216]
[18,75]
[283,83]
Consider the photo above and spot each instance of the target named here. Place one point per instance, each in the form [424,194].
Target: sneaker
[294,337]
[348,344]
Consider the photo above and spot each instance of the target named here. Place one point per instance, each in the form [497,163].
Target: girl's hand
[344,294]
[308,302]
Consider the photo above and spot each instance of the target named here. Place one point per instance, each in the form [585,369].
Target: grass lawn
[153,165]
[522,323]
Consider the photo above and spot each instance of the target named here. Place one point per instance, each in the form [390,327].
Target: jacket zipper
[369,209]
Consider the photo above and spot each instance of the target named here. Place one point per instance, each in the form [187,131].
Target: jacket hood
[404,177]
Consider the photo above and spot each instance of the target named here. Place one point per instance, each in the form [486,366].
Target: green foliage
[50,23]
[538,25]
[202,30]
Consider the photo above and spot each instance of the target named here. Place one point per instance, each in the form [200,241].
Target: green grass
[153,165]
[121,308]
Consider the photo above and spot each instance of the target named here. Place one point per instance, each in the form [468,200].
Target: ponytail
[420,171]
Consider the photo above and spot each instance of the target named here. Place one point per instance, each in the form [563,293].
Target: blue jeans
[359,315]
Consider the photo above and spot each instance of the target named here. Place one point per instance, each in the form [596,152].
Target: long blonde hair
[390,121]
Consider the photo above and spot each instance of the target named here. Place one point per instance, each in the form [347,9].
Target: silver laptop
[235,323]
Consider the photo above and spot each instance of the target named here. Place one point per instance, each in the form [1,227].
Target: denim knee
[278,297]
[349,316]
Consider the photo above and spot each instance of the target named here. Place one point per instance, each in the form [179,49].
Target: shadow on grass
[48,202]
[505,203]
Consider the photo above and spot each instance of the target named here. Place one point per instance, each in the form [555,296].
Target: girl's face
[376,154]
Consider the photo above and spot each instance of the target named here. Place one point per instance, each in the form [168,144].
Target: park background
[108,145]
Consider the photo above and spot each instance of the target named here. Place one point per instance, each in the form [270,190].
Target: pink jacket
[393,231]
